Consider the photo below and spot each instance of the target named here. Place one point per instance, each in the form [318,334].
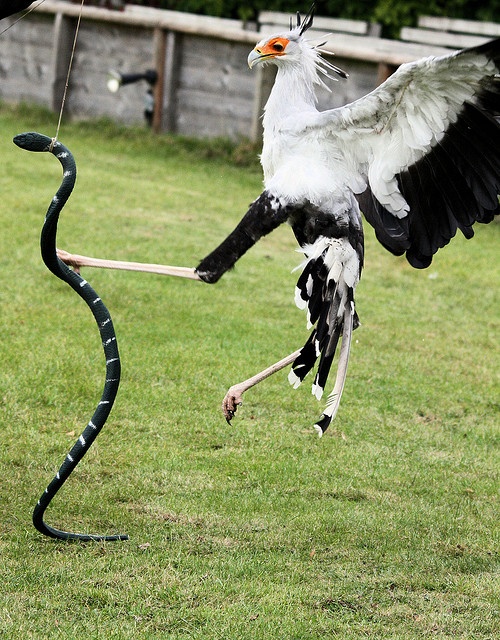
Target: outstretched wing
[427,142]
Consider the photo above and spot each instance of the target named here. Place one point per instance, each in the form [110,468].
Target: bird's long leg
[265,214]
[76,261]
[233,397]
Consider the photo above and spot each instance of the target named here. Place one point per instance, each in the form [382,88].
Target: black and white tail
[326,290]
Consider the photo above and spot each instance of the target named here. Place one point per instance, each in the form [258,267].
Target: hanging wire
[63,101]
[21,17]
[70,65]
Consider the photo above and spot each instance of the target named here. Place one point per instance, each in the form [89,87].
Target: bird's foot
[232,400]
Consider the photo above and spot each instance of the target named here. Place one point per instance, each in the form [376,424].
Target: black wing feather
[454,185]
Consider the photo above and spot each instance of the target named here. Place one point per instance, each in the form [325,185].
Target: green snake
[37,142]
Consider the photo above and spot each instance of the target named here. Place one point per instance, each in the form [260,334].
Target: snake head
[32,141]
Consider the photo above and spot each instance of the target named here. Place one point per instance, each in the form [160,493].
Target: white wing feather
[393,127]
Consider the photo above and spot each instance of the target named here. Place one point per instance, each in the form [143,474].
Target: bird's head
[290,48]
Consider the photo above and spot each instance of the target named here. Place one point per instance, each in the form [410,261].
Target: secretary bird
[419,156]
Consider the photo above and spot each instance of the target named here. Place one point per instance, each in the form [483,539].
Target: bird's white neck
[292,96]
[292,93]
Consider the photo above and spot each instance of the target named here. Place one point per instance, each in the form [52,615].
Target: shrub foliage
[392,14]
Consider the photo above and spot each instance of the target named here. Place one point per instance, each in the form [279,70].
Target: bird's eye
[277,46]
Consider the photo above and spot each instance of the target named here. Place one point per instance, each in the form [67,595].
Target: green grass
[385,528]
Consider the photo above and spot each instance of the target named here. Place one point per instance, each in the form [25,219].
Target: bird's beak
[254,57]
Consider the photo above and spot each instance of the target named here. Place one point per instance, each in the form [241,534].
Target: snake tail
[37,142]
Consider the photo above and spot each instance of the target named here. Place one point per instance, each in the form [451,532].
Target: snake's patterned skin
[37,142]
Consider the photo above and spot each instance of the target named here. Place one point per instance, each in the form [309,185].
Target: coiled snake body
[38,142]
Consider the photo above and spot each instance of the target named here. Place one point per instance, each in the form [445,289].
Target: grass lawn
[388,527]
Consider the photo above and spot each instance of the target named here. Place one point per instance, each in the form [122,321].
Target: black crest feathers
[305,24]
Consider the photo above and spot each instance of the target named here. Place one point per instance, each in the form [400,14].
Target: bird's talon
[230,404]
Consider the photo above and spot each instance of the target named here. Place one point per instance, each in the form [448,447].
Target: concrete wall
[26,60]
[207,89]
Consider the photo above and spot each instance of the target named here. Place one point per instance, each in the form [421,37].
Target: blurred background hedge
[391,14]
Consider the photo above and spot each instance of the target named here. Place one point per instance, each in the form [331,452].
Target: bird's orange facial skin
[273,48]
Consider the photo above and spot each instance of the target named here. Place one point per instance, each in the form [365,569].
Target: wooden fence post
[172,64]
[64,34]
[166,59]
[159,38]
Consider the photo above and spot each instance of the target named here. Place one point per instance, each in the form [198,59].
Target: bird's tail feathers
[326,289]
[325,362]
[333,401]
[304,362]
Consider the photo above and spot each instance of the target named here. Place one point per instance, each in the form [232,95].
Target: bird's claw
[232,400]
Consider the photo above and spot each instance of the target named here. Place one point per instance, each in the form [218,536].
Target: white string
[21,17]
[63,102]
[70,65]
